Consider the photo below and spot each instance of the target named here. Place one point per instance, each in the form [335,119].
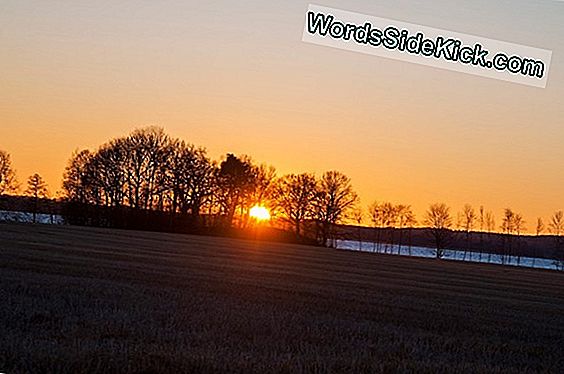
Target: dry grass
[80,300]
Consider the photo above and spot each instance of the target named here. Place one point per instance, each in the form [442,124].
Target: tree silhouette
[75,177]
[375,211]
[405,218]
[469,219]
[234,180]
[8,182]
[295,194]
[36,189]
[188,179]
[439,221]
[519,224]
[556,228]
[358,216]
[333,199]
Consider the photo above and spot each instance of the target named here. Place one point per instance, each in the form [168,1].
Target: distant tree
[147,151]
[107,176]
[357,217]
[539,230]
[519,225]
[507,227]
[375,212]
[8,182]
[482,223]
[263,190]
[439,222]
[410,222]
[405,218]
[295,194]
[36,189]
[469,219]
[556,228]
[333,200]
[75,178]
[389,220]
[188,179]
[540,226]
[556,225]
[490,227]
[235,181]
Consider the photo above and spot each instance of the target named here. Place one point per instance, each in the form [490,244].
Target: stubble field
[86,300]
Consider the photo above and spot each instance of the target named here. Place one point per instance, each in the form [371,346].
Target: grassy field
[79,300]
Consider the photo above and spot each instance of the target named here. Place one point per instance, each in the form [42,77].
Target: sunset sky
[236,77]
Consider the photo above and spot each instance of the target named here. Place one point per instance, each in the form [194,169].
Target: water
[25,217]
[449,254]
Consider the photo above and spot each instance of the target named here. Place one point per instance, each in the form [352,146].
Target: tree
[333,200]
[482,222]
[405,218]
[188,179]
[36,189]
[147,151]
[490,227]
[389,219]
[539,230]
[439,221]
[556,228]
[295,194]
[8,182]
[519,224]
[507,227]
[540,226]
[263,189]
[75,184]
[235,180]
[375,211]
[357,217]
[469,219]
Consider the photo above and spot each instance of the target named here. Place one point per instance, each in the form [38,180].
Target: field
[79,300]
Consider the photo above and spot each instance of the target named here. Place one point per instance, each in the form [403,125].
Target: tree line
[148,179]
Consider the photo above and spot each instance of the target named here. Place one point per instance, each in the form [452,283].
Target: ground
[95,300]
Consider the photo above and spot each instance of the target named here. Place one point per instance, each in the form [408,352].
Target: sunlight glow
[259,213]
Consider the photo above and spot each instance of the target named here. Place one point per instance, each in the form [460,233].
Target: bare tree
[482,223]
[439,222]
[263,189]
[334,198]
[539,230]
[147,154]
[36,189]
[507,227]
[375,211]
[358,216]
[540,226]
[295,194]
[490,227]
[469,219]
[75,184]
[405,218]
[188,179]
[556,228]
[519,225]
[8,182]
[389,219]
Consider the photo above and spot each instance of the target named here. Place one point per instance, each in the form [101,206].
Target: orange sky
[237,78]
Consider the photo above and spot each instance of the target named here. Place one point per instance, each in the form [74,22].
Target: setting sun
[259,213]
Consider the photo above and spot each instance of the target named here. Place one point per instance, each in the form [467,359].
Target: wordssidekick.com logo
[424,45]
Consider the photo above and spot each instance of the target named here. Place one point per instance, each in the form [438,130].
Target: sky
[236,77]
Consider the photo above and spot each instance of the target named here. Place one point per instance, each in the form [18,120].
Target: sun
[259,213]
